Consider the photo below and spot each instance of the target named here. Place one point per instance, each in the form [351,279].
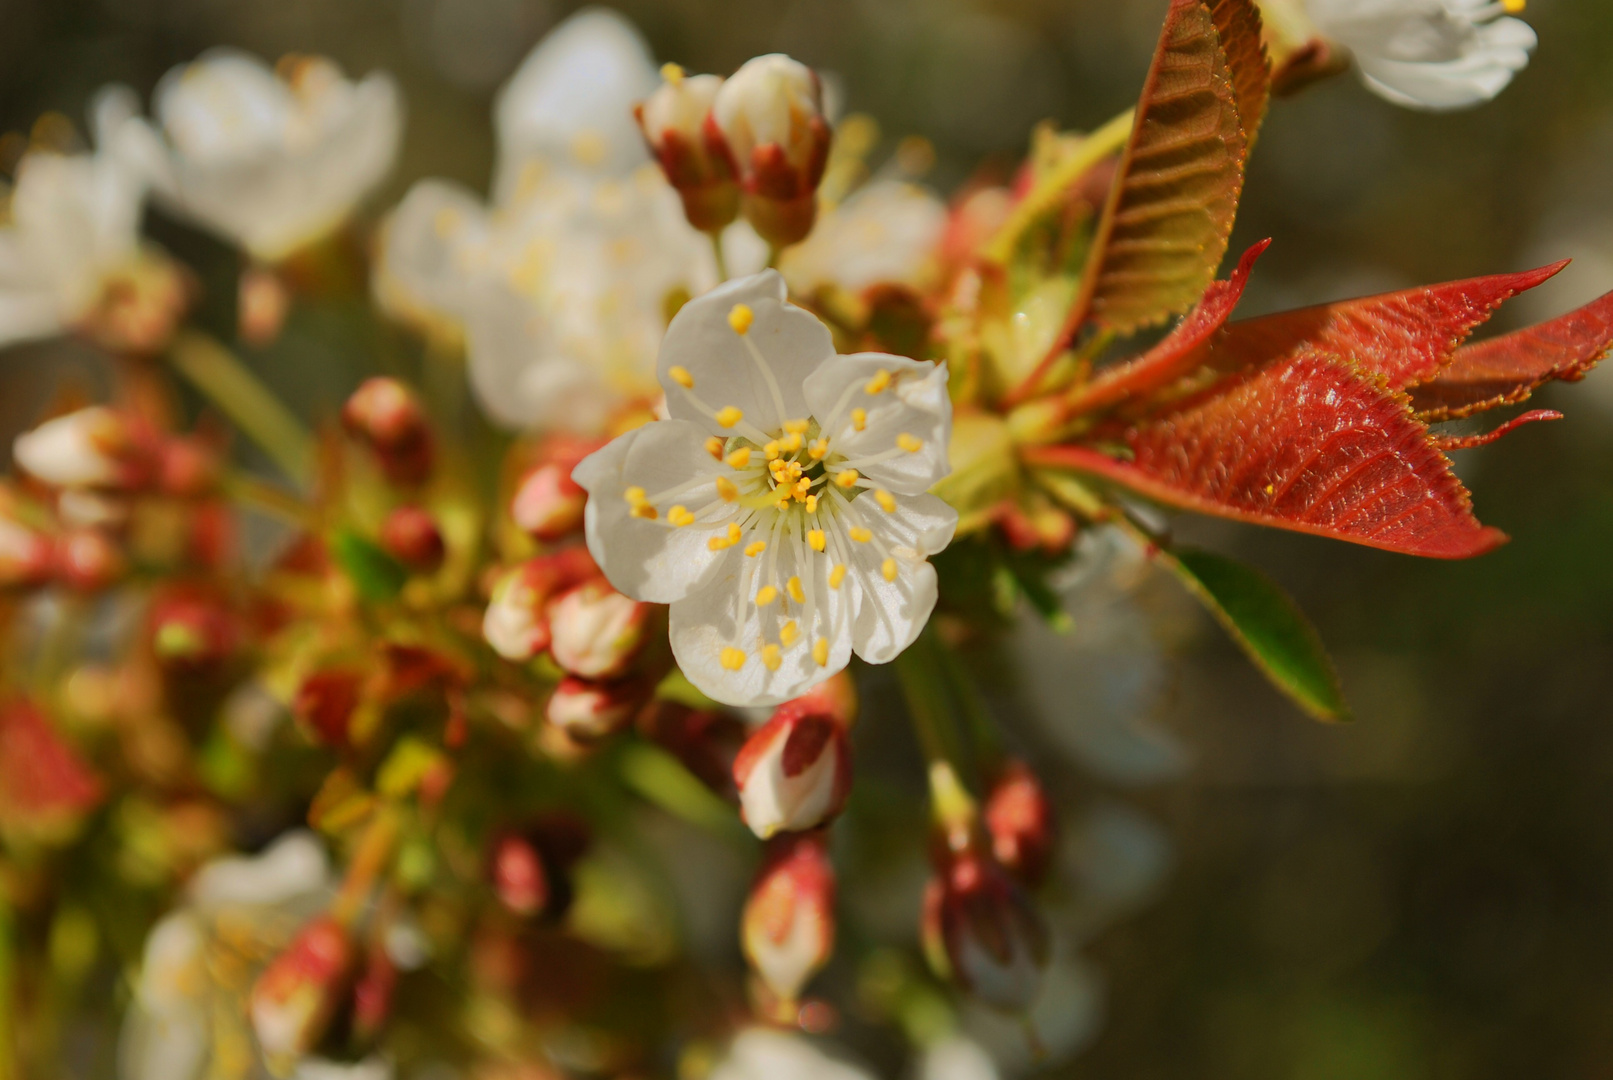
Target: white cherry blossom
[783,510]
[432,247]
[886,232]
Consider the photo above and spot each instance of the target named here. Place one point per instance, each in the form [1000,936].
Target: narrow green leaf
[378,576]
[661,778]
[1266,624]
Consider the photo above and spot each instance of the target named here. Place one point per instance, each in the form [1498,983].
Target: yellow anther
[634,495]
[791,442]
[846,478]
[886,501]
[714,447]
[878,383]
[802,487]
[859,419]
[729,415]
[797,427]
[888,569]
[733,659]
[782,503]
[788,633]
[771,450]
[717,543]
[771,657]
[740,458]
[1514,7]
[672,73]
[816,540]
[797,593]
[911,443]
[755,548]
[819,449]
[766,595]
[679,516]
[644,510]
[820,651]
[733,533]
[681,376]
[740,317]
[837,575]
[859,534]
[726,489]
[812,507]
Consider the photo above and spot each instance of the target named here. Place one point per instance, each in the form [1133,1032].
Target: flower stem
[722,260]
[921,670]
[228,383]
[255,492]
[8,1003]
[983,733]
[370,860]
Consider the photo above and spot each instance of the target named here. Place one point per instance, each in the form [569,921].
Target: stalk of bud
[788,927]
[596,631]
[1021,823]
[93,447]
[769,115]
[691,153]
[294,998]
[516,624]
[386,415]
[794,773]
[410,535]
[592,710]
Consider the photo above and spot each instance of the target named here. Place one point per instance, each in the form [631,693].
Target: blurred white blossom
[769,1054]
[886,232]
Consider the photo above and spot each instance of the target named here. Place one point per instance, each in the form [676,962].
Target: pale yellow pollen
[878,383]
[888,569]
[771,450]
[911,443]
[859,419]
[729,415]
[726,489]
[819,449]
[739,458]
[837,575]
[714,447]
[788,633]
[797,593]
[816,540]
[733,659]
[812,507]
[859,534]
[797,427]
[672,73]
[771,657]
[755,548]
[820,651]
[766,595]
[886,501]
[740,317]
[681,376]
[846,478]
[679,516]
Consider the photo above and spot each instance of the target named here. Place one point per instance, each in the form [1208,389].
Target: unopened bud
[88,560]
[593,710]
[549,503]
[788,927]
[93,447]
[188,468]
[410,535]
[531,869]
[770,117]
[386,415]
[794,773]
[1021,823]
[519,879]
[294,998]
[690,151]
[325,704]
[25,555]
[262,304]
[596,630]
[516,624]
[190,632]
[981,930]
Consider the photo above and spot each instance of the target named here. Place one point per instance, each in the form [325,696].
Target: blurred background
[1426,892]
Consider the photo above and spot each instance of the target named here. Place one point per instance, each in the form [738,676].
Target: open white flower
[1430,54]
[783,510]
[272,159]
[431,248]
[886,232]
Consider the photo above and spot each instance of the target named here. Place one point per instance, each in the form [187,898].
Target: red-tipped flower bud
[596,630]
[691,153]
[519,879]
[410,535]
[788,927]
[25,555]
[95,447]
[191,631]
[593,710]
[530,870]
[549,504]
[386,415]
[1021,823]
[293,999]
[794,773]
[981,930]
[88,560]
[516,623]
[770,117]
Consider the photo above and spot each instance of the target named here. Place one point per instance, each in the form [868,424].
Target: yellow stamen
[888,569]
[755,548]
[788,633]
[911,443]
[797,427]
[733,659]
[726,489]
[740,317]
[791,442]
[714,447]
[679,516]
[782,504]
[846,478]
[816,540]
[681,376]
[1514,7]
[802,487]
[796,592]
[859,419]
[771,450]
[771,657]
[645,511]
[812,507]
[820,651]
[837,575]
[886,501]
[634,495]
[820,449]
[859,534]
[672,73]
[878,383]
[740,458]
[729,415]
[766,595]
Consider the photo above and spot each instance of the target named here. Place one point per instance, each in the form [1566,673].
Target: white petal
[768,1054]
[293,866]
[651,560]
[916,404]
[890,614]
[791,342]
[430,247]
[521,376]
[1476,77]
[888,231]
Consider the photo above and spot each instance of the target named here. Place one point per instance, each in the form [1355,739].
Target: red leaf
[1306,444]
[1405,337]
[1446,443]
[1507,369]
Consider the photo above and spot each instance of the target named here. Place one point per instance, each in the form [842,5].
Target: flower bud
[794,773]
[93,447]
[385,414]
[596,630]
[294,998]
[516,624]
[549,503]
[262,303]
[519,879]
[191,632]
[788,928]
[690,152]
[1020,820]
[530,870]
[593,710]
[770,117]
[188,468]
[25,555]
[981,930]
[88,560]
[325,704]
[410,535]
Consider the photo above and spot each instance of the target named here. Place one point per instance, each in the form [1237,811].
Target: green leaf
[1268,626]
[378,576]
[661,778]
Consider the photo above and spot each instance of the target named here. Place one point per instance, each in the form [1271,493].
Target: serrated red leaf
[1404,337]
[1507,369]
[1447,443]
[1306,444]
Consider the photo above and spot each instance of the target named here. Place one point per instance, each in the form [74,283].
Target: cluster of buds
[757,141]
[386,416]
